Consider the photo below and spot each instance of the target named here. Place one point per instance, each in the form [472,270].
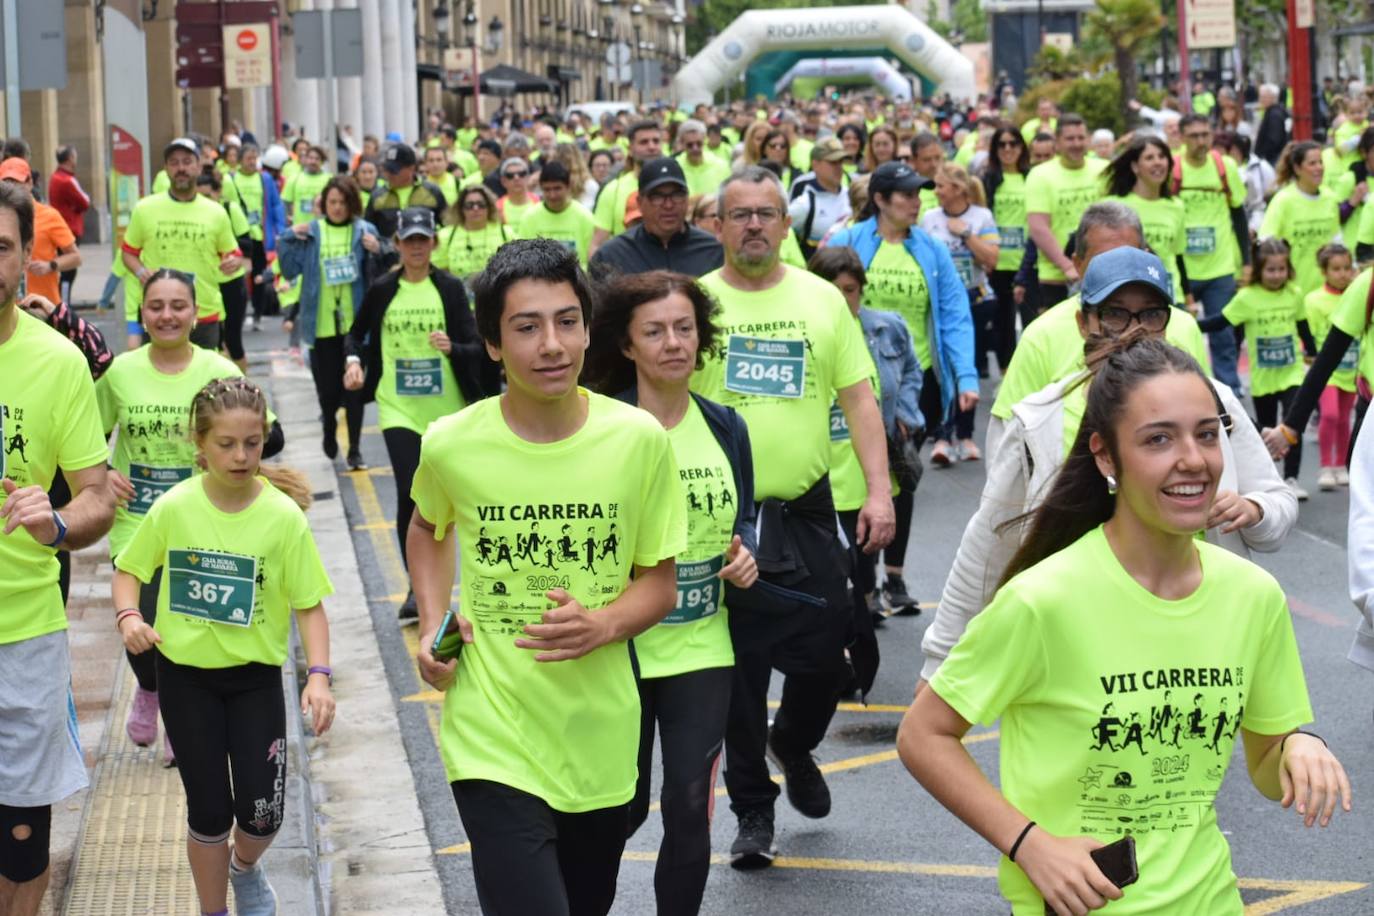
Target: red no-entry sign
[246,40]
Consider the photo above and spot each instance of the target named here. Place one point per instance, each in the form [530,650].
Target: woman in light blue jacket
[333,255]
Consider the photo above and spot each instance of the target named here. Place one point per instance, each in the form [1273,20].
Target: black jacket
[477,375]
[1272,135]
[732,435]
[692,251]
[384,207]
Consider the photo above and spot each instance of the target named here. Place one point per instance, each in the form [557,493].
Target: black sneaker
[753,847]
[356,462]
[894,591]
[409,611]
[331,446]
[806,788]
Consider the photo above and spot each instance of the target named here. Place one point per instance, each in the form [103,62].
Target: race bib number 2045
[764,366]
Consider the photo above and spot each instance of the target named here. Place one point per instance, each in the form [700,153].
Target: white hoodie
[1360,546]
[1022,470]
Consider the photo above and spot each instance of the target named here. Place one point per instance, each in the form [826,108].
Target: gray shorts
[40,754]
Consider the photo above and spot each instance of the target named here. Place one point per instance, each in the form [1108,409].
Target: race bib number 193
[767,367]
[698,591]
[218,587]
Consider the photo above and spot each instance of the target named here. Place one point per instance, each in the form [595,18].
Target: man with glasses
[646,142]
[704,172]
[792,349]
[1213,196]
[662,240]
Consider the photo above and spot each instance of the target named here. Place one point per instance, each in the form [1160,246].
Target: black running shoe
[895,593]
[409,611]
[331,446]
[753,847]
[806,788]
[356,462]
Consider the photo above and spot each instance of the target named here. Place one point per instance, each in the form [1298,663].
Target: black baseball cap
[660,171]
[397,157]
[415,221]
[892,177]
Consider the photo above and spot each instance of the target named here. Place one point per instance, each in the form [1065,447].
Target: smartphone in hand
[448,639]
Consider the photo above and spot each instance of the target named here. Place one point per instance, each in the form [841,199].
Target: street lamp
[442,24]
[495,32]
[470,23]
[637,17]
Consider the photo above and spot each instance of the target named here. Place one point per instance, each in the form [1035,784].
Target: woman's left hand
[1233,511]
[318,701]
[957,225]
[439,340]
[740,570]
[370,243]
[1312,776]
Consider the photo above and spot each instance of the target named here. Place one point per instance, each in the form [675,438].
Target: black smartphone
[1117,862]
[448,639]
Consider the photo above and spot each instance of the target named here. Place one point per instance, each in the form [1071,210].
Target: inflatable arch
[827,28]
[894,85]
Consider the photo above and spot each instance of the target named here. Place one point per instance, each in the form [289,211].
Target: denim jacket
[950,327]
[301,258]
[899,372]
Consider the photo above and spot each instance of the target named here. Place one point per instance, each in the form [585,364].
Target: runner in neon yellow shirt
[1302,213]
[1202,654]
[437,171]
[557,216]
[1139,178]
[548,602]
[473,234]
[302,191]
[1057,193]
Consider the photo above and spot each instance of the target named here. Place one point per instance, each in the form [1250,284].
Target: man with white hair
[1272,135]
[1103,143]
[704,172]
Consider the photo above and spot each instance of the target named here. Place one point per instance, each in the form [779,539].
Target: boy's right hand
[1064,874]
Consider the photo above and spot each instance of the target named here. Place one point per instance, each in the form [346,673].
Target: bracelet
[1019,840]
[321,669]
[1301,732]
[127,612]
[1290,437]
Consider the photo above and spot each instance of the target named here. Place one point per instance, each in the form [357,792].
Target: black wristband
[1019,840]
[1301,732]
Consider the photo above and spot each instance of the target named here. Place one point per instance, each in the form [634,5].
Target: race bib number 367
[767,367]
[218,587]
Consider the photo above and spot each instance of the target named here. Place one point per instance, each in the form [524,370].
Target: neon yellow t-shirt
[1270,319]
[238,224]
[191,236]
[1352,317]
[786,351]
[1209,242]
[799,156]
[152,411]
[696,634]
[463,252]
[847,483]
[417,384]
[1319,305]
[706,178]
[566,732]
[1306,222]
[300,192]
[513,213]
[1009,210]
[447,183]
[1036,126]
[248,189]
[337,263]
[290,169]
[48,419]
[611,202]
[1120,710]
[162,182]
[1051,348]
[1063,194]
[229,579]
[573,227]
[896,283]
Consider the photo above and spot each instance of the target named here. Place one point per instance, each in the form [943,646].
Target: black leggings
[257,256]
[403,450]
[144,665]
[66,279]
[235,295]
[224,720]
[691,708]
[1267,414]
[528,858]
[327,367]
[1004,319]
[207,335]
[933,407]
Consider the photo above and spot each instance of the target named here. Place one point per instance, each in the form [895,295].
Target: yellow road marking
[855,707]
[1294,893]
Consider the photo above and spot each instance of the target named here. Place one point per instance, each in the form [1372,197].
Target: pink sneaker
[142,724]
[169,757]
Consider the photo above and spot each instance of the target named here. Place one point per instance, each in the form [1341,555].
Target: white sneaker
[1342,477]
[1326,480]
[1296,488]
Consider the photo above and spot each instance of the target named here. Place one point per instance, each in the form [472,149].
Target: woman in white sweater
[1359,547]
[1254,510]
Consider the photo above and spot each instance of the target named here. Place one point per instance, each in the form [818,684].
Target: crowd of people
[658,392]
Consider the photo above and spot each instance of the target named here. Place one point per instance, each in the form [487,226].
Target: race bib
[419,377]
[306,205]
[963,263]
[1201,240]
[218,587]
[1351,358]
[340,270]
[767,367]
[1275,352]
[254,219]
[1013,238]
[698,591]
[151,483]
[839,424]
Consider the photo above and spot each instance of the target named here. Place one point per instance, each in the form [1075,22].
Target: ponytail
[290,481]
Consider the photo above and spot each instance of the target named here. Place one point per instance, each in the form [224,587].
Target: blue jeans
[1214,295]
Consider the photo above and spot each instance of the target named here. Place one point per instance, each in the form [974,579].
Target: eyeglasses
[742,216]
[677,196]
[515,174]
[1116,320]
[474,204]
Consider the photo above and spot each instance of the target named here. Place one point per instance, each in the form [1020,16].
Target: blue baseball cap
[1111,270]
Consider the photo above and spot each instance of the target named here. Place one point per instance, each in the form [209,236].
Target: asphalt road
[887,847]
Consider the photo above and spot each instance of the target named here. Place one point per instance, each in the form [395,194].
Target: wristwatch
[52,265]
[964,236]
[61,529]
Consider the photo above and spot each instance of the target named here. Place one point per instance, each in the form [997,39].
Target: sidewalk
[353,824]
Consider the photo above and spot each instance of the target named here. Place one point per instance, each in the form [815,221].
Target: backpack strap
[1221,173]
[1225,189]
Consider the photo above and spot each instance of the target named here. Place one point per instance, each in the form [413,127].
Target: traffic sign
[618,54]
[345,28]
[42,43]
[247,56]
[1211,23]
[1305,13]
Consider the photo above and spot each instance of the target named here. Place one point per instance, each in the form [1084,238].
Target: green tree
[1126,25]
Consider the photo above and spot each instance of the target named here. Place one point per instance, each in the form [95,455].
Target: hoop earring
[1111,485]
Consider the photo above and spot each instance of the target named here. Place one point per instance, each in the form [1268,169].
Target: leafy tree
[1127,25]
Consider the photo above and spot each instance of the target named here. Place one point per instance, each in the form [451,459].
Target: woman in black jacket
[648,336]
[414,349]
